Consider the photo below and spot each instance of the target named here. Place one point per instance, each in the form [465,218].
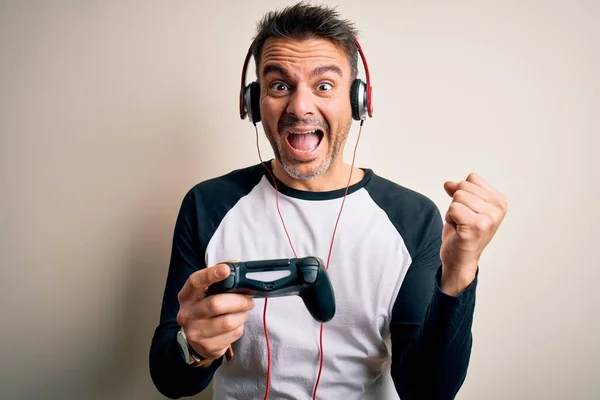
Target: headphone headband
[368,78]
[243,111]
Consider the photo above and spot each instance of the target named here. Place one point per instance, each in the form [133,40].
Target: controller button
[283,262]
[310,274]
[229,281]
[310,262]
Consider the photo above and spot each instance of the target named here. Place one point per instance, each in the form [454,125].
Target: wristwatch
[190,356]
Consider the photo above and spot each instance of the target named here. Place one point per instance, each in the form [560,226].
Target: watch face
[183,347]
[187,352]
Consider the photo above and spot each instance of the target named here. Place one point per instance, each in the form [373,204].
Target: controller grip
[319,299]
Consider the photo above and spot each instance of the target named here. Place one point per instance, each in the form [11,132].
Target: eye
[279,86]
[324,87]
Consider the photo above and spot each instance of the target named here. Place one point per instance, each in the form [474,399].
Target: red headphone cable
[330,251]
[321,356]
[268,378]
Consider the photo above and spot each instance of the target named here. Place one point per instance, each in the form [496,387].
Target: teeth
[303,133]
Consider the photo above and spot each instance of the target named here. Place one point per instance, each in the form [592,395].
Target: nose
[301,102]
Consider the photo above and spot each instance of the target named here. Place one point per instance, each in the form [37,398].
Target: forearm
[433,363]
[170,374]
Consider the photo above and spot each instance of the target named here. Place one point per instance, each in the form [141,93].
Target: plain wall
[111,110]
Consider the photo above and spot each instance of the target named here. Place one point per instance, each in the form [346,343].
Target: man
[404,281]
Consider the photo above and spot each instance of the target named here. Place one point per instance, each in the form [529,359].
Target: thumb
[194,287]
[450,187]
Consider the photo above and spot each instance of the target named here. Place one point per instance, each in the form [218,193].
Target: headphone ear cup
[252,100]
[358,102]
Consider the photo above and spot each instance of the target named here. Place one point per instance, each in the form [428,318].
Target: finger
[450,187]
[449,220]
[211,354]
[479,181]
[213,306]
[470,186]
[211,342]
[217,346]
[478,191]
[222,304]
[460,214]
[473,202]
[196,284]
[217,326]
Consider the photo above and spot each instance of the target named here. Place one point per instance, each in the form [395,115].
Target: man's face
[305,103]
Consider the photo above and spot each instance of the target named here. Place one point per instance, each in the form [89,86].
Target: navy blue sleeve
[201,212]
[430,331]
[171,375]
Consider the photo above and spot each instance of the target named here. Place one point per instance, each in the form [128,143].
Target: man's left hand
[474,215]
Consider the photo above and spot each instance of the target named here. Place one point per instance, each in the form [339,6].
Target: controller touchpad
[267,276]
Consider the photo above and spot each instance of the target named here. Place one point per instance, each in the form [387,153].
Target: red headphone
[360,94]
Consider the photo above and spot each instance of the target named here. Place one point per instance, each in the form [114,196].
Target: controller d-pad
[229,282]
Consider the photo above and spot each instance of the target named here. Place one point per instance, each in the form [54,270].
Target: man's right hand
[211,323]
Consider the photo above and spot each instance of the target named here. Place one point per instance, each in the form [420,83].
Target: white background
[111,110]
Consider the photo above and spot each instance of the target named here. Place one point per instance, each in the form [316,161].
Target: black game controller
[304,277]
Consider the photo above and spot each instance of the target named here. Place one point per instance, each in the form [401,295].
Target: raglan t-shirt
[395,334]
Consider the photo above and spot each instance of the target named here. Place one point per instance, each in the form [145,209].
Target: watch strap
[200,361]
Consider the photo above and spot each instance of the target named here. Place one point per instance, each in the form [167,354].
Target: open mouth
[304,141]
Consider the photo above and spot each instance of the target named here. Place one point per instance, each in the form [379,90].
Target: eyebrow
[327,68]
[272,68]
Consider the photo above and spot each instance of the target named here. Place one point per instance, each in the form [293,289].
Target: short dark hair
[304,21]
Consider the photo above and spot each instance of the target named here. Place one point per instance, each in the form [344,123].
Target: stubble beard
[335,147]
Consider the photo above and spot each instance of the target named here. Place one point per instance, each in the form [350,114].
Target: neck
[335,178]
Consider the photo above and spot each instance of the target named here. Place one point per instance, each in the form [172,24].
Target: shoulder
[416,217]
[236,181]
[230,186]
[391,193]
[214,197]
[206,203]
[400,201]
